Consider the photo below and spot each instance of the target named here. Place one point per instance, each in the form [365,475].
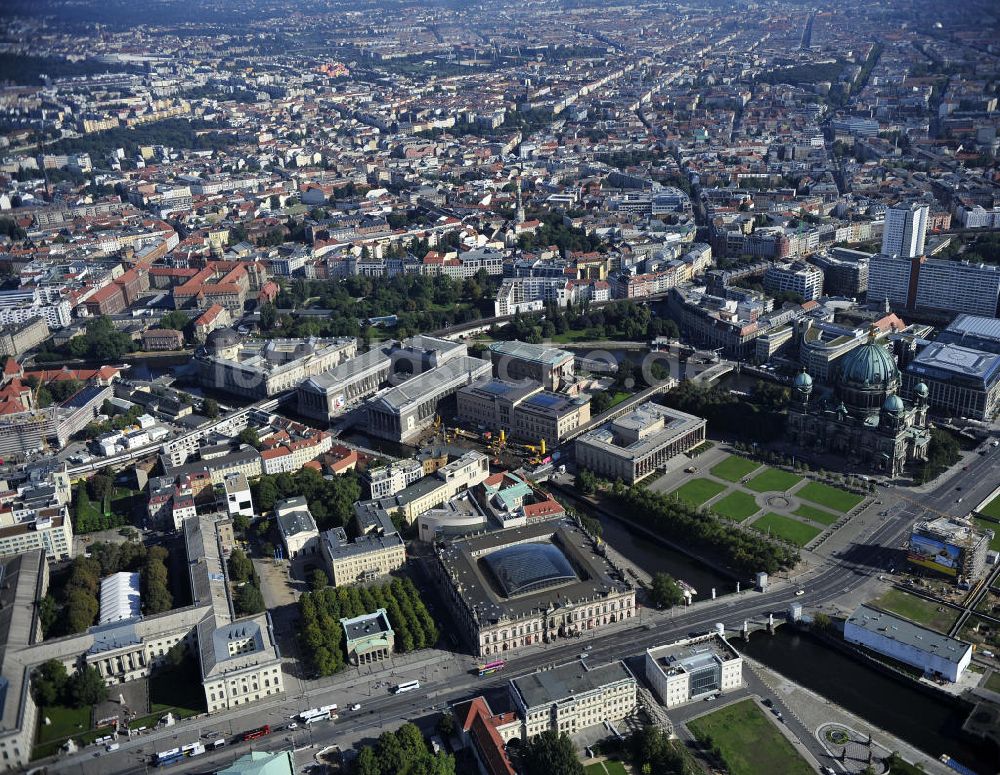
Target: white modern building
[932,652]
[237,493]
[905,229]
[693,668]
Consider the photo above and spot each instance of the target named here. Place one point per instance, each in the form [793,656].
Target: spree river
[887,703]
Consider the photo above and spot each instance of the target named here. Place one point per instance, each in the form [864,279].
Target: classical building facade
[863,419]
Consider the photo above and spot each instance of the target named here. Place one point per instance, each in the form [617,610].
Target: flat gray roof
[954,358]
[565,682]
[905,631]
[976,326]
[425,385]
[531,352]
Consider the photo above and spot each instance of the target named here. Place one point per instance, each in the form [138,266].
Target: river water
[652,556]
[887,703]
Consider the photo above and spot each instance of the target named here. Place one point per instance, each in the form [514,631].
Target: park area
[748,741]
[816,515]
[932,615]
[798,512]
[773,480]
[786,528]
[697,491]
[734,468]
[830,497]
[736,506]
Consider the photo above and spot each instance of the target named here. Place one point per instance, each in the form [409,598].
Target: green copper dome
[802,380]
[868,367]
[894,404]
[921,390]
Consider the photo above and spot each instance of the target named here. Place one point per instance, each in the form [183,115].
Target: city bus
[492,667]
[174,755]
[323,713]
[406,686]
[253,734]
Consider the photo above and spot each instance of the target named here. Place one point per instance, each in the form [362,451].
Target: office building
[905,229]
[960,381]
[693,668]
[369,638]
[934,284]
[516,360]
[571,697]
[390,479]
[376,549]
[262,763]
[299,533]
[937,655]
[17,338]
[796,277]
[951,547]
[636,444]
[445,483]
[522,409]
[34,514]
[973,331]
[516,588]
[845,272]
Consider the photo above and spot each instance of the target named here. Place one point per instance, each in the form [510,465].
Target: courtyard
[777,502]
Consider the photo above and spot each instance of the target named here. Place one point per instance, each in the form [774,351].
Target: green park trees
[665,591]
[403,752]
[52,685]
[322,637]
[74,606]
[331,501]
[745,551]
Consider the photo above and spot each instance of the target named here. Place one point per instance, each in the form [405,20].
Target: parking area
[276,584]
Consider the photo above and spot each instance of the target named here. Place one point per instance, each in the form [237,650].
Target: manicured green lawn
[831,497]
[608,766]
[737,506]
[748,741]
[66,722]
[697,491]
[791,530]
[990,525]
[993,682]
[773,479]
[917,610]
[992,509]
[734,468]
[816,515]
